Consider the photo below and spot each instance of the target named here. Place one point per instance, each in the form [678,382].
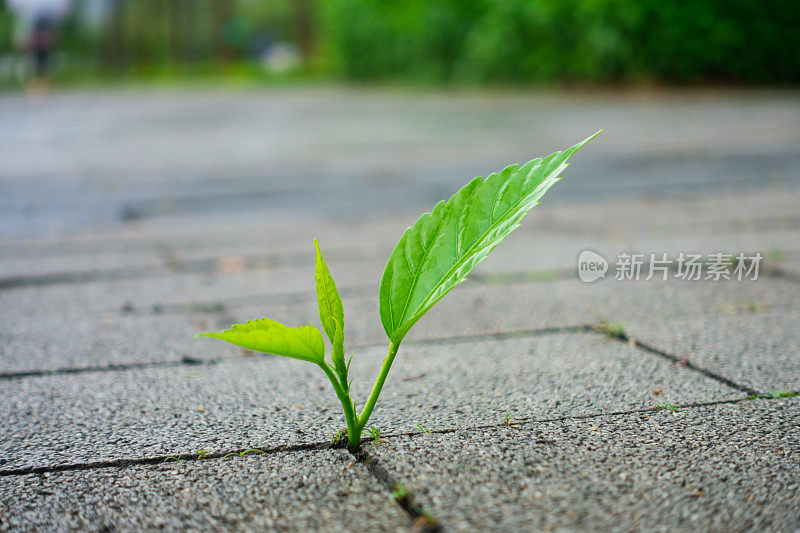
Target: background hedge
[572,40]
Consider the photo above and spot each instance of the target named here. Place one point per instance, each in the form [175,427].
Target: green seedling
[375,432]
[243,453]
[614,330]
[338,436]
[422,429]
[432,257]
[783,394]
[400,494]
[665,407]
[507,420]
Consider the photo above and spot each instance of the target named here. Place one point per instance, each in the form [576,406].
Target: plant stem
[353,432]
[376,390]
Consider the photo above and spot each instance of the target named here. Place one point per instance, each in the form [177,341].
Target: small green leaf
[443,246]
[337,356]
[331,311]
[268,336]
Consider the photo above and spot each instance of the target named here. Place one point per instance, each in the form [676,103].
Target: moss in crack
[615,330]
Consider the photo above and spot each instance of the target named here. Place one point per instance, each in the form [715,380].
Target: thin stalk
[376,390]
[353,433]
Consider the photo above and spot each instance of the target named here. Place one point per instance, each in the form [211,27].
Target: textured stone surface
[64,342]
[297,491]
[271,401]
[761,350]
[213,153]
[724,467]
[129,221]
[165,333]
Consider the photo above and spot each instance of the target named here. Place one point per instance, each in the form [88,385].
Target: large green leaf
[268,336]
[331,312]
[443,246]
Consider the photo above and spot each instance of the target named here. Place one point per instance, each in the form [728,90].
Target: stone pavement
[525,400]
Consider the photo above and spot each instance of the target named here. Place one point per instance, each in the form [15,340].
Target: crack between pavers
[184,361]
[526,421]
[161,459]
[623,337]
[169,265]
[422,519]
[192,361]
[174,265]
[330,445]
[777,272]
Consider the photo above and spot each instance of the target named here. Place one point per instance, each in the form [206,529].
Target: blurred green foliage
[154,38]
[434,41]
[567,40]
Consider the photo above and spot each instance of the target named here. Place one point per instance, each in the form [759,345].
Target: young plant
[431,258]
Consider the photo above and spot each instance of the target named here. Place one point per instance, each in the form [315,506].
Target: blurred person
[41,44]
[40,19]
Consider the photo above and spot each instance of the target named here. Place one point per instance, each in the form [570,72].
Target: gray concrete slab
[246,235]
[203,273]
[271,401]
[760,350]
[104,296]
[67,342]
[79,339]
[72,264]
[718,468]
[371,150]
[140,413]
[470,384]
[298,491]
[480,308]
[770,208]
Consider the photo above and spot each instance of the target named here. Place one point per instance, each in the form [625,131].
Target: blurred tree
[541,40]
[304,25]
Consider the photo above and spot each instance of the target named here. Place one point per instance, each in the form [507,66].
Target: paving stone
[102,297]
[237,235]
[719,468]
[374,148]
[768,209]
[75,264]
[761,350]
[65,342]
[479,308]
[471,384]
[297,491]
[140,413]
[229,274]
[57,340]
[271,401]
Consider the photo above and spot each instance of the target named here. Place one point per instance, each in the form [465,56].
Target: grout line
[778,272]
[327,445]
[171,265]
[621,336]
[531,420]
[159,459]
[184,361]
[513,334]
[191,361]
[422,519]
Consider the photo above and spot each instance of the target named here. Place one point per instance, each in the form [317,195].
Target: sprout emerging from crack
[432,257]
